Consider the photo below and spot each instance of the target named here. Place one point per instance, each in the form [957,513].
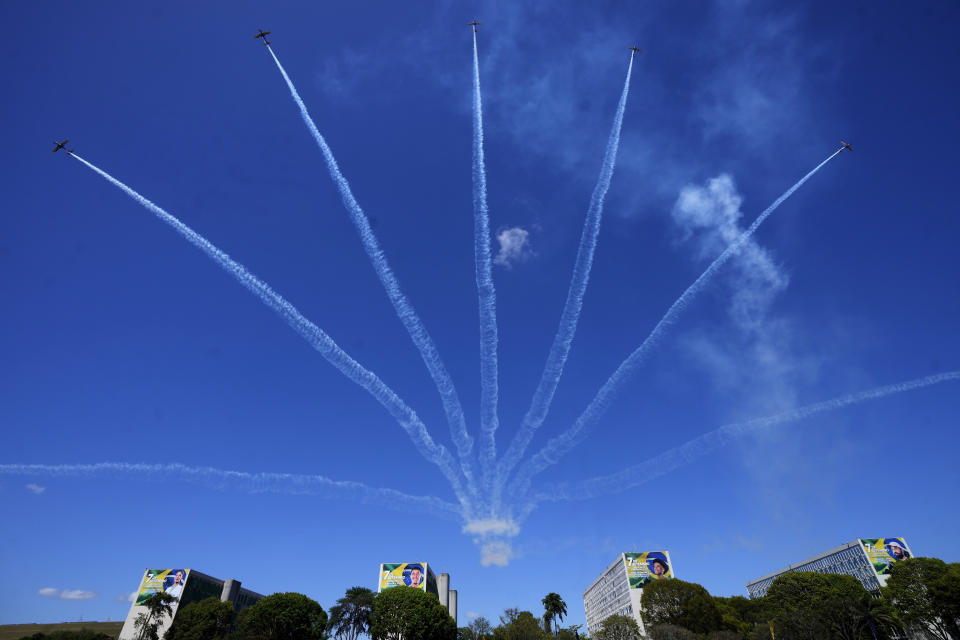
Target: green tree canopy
[523,625]
[480,627]
[805,605]
[64,634]
[208,619]
[618,627]
[684,604]
[402,613]
[350,617]
[926,593]
[283,616]
[671,632]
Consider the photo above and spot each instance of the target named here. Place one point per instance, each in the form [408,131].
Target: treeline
[395,614]
[921,600]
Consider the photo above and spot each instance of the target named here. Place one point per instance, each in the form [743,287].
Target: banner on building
[404,574]
[170,581]
[883,552]
[643,568]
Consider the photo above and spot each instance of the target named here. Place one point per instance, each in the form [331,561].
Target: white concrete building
[618,589]
[187,586]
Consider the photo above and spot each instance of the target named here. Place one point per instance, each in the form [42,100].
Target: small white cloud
[48,592]
[492,527]
[129,597]
[497,553]
[514,247]
[35,488]
[77,594]
[472,614]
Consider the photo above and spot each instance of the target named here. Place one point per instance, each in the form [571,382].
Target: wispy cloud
[129,597]
[35,488]
[757,350]
[48,592]
[514,247]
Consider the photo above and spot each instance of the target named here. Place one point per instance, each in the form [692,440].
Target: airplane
[60,145]
[474,24]
[846,146]
[263,34]
[635,51]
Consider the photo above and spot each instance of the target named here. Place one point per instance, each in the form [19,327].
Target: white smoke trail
[411,321]
[316,337]
[563,443]
[543,396]
[220,479]
[712,440]
[486,293]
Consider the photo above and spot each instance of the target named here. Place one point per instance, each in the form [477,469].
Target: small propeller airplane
[263,34]
[61,145]
[846,146]
[476,23]
[634,51]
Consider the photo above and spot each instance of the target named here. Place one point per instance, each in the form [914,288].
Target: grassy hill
[17,631]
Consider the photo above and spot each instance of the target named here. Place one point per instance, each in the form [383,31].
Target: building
[618,589]
[420,576]
[187,586]
[866,559]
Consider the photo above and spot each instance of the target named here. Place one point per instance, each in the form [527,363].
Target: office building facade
[186,586]
[619,588]
[866,559]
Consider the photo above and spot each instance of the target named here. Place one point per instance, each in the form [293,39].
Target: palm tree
[159,605]
[553,607]
[875,614]
[350,617]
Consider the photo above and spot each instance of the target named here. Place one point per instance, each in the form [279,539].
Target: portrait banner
[643,568]
[883,552]
[169,581]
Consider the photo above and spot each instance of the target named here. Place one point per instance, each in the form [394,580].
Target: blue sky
[123,344]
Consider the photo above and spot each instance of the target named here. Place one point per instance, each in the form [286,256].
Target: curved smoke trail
[411,321]
[712,440]
[316,337]
[560,445]
[220,479]
[553,369]
[485,290]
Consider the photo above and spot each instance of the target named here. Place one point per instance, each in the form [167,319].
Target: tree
[283,616]
[350,617]
[208,619]
[159,605]
[926,593]
[618,627]
[685,604]
[465,633]
[64,634]
[876,618]
[739,614]
[401,613]
[671,632]
[509,615]
[806,605]
[553,608]
[524,626]
[480,627]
